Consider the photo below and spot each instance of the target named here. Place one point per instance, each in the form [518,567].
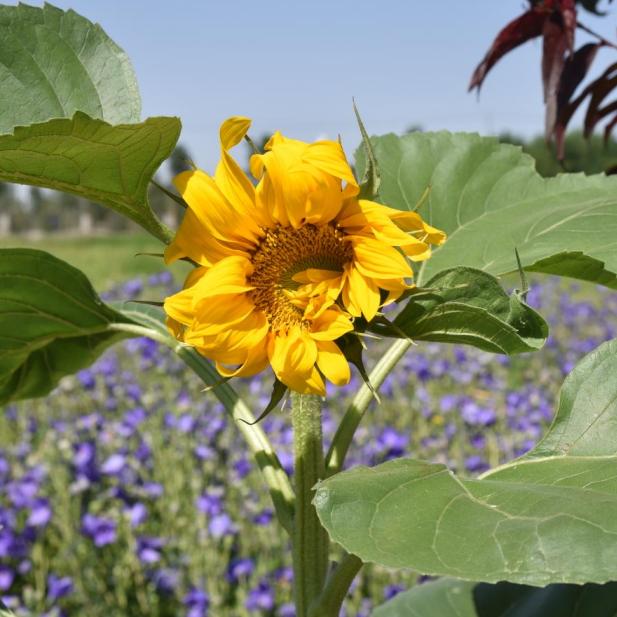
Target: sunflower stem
[356,410]
[309,538]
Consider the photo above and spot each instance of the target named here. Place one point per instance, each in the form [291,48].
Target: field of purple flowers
[128,493]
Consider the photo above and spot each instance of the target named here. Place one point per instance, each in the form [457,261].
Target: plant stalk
[309,538]
[339,581]
[356,410]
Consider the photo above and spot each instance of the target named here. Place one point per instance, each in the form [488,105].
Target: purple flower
[242,467]
[239,568]
[286,610]
[40,513]
[210,502]
[100,530]
[86,379]
[149,549]
[475,415]
[221,525]
[7,576]
[58,587]
[114,464]
[260,598]
[166,580]
[204,453]
[132,288]
[137,514]
[264,517]
[197,602]
[134,417]
[153,489]
[475,464]
[21,493]
[392,590]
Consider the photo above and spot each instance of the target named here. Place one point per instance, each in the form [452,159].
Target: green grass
[104,259]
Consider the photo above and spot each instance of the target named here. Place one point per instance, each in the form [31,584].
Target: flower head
[285,266]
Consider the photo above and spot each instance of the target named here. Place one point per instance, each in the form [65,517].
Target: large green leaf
[548,517]
[464,305]
[444,598]
[51,323]
[452,598]
[111,165]
[54,63]
[490,200]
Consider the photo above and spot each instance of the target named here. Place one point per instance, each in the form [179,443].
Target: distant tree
[590,155]
[180,160]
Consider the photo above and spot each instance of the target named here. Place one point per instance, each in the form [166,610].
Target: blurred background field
[105,259]
[128,492]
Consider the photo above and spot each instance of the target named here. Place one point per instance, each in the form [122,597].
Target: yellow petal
[179,306]
[228,276]
[215,212]
[231,180]
[256,361]
[329,157]
[218,313]
[330,325]
[377,259]
[362,293]
[193,240]
[233,130]
[332,363]
[293,356]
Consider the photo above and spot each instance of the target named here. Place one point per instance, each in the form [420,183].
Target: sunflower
[284,266]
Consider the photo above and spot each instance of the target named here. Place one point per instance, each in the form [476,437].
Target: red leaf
[566,113]
[608,129]
[553,61]
[524,28]
[568,14]
[574,72]
[595,113]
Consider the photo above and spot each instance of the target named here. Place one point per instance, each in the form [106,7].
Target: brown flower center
[283,253]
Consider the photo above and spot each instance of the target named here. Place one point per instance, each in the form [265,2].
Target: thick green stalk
[309,538]
[355,412]
[259,444]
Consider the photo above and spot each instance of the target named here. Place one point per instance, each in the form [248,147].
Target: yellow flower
[285,266]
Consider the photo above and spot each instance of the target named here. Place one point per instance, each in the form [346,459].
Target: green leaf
[442,598]
[51,323]
[490,200]
[54,63]
[111,165]
[463,305]
[452,598]
[550,516]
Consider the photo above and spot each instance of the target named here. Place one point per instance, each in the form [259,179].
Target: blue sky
[294,66]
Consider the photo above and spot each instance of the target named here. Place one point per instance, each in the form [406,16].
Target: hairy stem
[259,444]
[355,412]
[309,538]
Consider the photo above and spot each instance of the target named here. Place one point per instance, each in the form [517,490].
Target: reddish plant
[563,69]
